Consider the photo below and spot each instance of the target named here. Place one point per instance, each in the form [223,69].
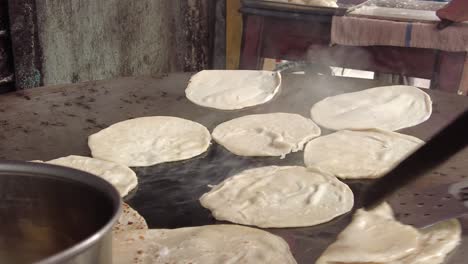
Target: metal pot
[51,214]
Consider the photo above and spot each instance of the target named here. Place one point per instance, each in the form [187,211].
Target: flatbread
[376,237]
[275,134]
[365,154]
[274,196]
[147,141]
[129,220]
[232,89]
[212,244]
[120,176]
[388,108]
[324,3]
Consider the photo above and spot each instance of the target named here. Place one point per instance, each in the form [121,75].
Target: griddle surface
[50,122]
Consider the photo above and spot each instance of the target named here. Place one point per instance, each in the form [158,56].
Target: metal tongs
[432,205]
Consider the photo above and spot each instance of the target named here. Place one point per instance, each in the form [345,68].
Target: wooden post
[463,89]
[233,33]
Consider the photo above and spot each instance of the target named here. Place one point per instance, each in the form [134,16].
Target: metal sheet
[46,123]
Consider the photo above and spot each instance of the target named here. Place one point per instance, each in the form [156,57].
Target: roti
[120,176]
[289,196]
[232,89]
[147,141]
[129,220]
[376,237]
[212,244]
[275,134]
[365,154]
[388,108]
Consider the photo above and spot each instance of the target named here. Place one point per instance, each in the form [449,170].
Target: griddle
[50,122]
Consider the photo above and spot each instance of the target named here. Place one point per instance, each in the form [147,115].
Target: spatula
[434,204]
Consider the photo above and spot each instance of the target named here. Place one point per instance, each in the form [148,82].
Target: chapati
[376,237]
[129,220]
[273,196]
[212,244]
[232,89]
[274,134]
[364,154]
[388,108]
[147,141]
[120,176]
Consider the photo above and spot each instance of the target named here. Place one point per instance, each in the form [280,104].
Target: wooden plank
[463,89]
[27,52]
[233,33]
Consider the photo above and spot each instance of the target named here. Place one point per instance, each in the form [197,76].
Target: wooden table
[305,37]
[50,122]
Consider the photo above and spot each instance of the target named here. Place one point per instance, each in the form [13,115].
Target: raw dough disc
[120,176]
[388,108]
[212,244]
[129,220]
[147,141]
[364,154]
[232,89]
[324,3]
[376,237]
[275,134]
[274,196]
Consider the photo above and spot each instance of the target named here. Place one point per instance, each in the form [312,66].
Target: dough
[273,196]
[147,141]
[120,176]
[388,108]
[212,244]
[365,154]
[376,237]
[129,220]
[232,89]
[275,134]
[325,3]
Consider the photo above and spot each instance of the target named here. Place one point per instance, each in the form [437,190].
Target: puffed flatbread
[376,237]
[388,108]
[232,89]
[212,244]
[273,134]
[147,141]
[364,154]
[274,196]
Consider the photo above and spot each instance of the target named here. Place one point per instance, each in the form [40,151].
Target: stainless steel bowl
[51,214]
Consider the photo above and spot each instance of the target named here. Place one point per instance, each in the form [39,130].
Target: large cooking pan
[51,214]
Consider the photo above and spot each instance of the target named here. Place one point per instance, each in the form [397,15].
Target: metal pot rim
[97,183]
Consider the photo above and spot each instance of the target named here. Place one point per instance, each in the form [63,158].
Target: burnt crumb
[82,97]
[91,100]
[92,89]
[163,94]
[25,131]
[121,107]
[92,121]
[71,115]
[57,124]
[179,98]
[24,96]
[34,113]
[3,122]
[83,105]
[126,101]
[67,104]
[55,105]
[134,95]
[2,110]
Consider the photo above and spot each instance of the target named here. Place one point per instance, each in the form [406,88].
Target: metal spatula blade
[430,206]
